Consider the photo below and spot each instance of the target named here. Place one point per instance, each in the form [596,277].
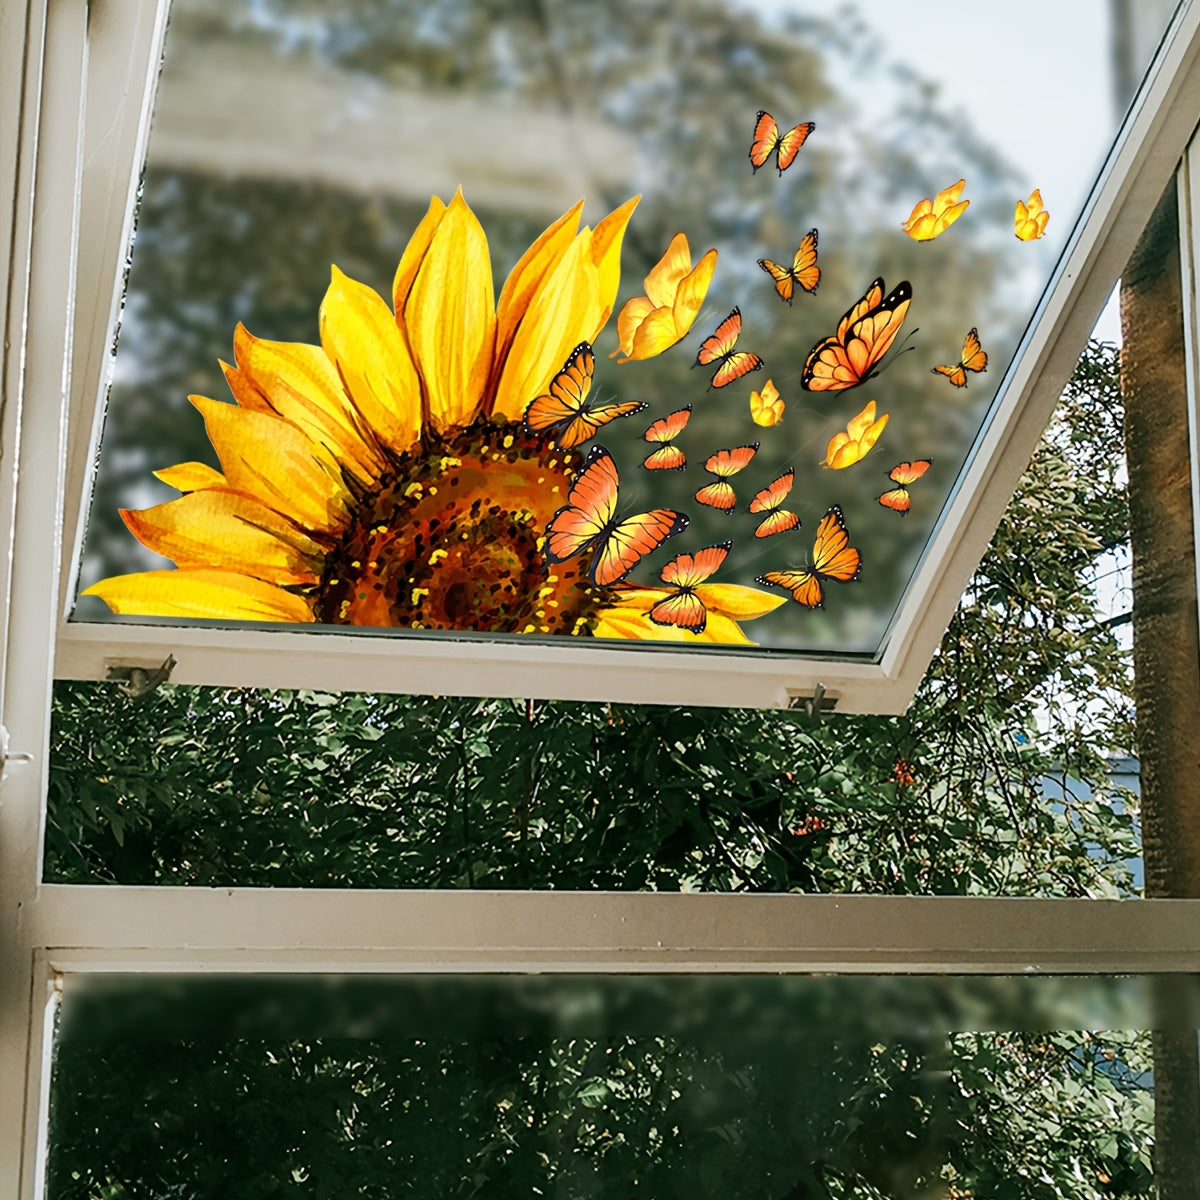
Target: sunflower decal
[388,477]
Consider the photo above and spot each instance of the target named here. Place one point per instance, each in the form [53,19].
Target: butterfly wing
[565,399]
[803,584]
[666,458]
[790,143]
[735,366]
[865,334]
[974,357]
[720,344]
[683,608]
[909,472]
[669,427]
[785,280]
[931,218]
[804,266]
[729,462]
[719,495]
[688,570]
[954,373]
[593,417]
[774,494]
[589,510]
[897,500]
[833,556]
[631,540]
[779,521]
[766,138]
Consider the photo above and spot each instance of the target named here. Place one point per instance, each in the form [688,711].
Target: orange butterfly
[718,349]
[588,520]
[668,456]
[903,474]
[564,410]
[685,573]
[724,464]
[768,140]
[803,271]
[864,335]
[974,358]
[767,501]
[832,558]
[933,217]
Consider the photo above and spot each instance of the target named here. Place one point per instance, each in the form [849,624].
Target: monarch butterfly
[803,271]
[864,335]
[718,349]
[768,139]
[724,464]
[685,573]
[974,358]
[564,409]
[767,501]
[933,217]
[588,520]
[902,475]
[668,456]
[832,558]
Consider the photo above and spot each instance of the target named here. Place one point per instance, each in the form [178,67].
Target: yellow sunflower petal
[360,336]
[415,251]
[299,383]
[199,592]
[606,242]
[191,477]
[450,319]
[229,531]
[560,315]
[724,631]
[738,602]
[523,281]
[273,461]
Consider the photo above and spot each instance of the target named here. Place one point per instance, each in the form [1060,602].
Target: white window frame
[49,933]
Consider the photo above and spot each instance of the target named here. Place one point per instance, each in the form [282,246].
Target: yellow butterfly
[933,217]
[1030,219]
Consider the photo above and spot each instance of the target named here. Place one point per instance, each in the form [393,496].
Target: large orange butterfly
[864,335]
[803,271]
[564,409]
[685,573]
[833,558]
[719,349]
[668,456]
[974,358]
[902,475]
[777,519]
[768,140]
[724,464]
[589,520]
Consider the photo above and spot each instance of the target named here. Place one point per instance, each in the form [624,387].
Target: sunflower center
[452,537]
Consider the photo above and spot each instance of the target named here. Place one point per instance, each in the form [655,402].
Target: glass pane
[442,471]
[570,1087]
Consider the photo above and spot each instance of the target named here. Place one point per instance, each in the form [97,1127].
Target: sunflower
[386,478]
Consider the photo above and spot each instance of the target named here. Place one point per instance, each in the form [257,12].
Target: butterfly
[768,139]
[588,520]
[1030,219]
[564,409]
[832,558]
[719,349]
[933,217]
[767,501]
[668,456]
[685,573]
[723,464]
[974,358]
[864,335]
[766,407]
[803,271]
[902,475]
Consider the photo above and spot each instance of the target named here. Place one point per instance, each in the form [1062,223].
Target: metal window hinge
[6,755]
[139,681]
[812,706]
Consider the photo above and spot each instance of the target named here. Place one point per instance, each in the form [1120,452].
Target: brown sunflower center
[452,537]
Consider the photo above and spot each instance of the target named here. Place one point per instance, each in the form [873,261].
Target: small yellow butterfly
[1030,219]
[766,407]
[933,217]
